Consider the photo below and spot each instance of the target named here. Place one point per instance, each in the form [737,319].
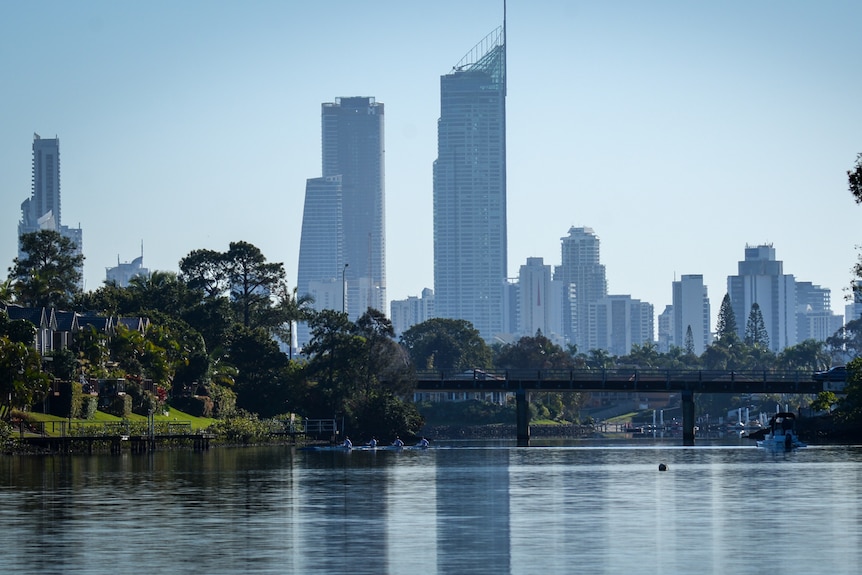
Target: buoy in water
[662,467]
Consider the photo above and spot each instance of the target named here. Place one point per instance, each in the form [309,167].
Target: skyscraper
[353,149]
[540,301]
[584,281]
[691,310]
[321,248]
[470,189]
[761,280]
[41,211]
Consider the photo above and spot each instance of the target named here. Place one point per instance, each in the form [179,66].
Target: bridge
[685,382]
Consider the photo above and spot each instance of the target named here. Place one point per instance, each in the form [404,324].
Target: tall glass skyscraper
[353,149]
[470,189]
[343,241]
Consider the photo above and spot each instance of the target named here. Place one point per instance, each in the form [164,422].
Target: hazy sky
[678,130]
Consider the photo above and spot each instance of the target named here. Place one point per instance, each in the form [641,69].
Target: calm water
[455,509]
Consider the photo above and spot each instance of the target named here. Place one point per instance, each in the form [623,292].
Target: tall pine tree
[755,329]
[726,325]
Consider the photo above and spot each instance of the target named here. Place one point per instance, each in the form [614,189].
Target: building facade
[353,148]
[691,310]
[470,249]
[761,280]
[540,302]
[406,313]
[584,283]
[122,274]
[619,322]
[321,249]
[814,317]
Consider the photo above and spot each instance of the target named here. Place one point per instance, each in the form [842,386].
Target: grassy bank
[171,416]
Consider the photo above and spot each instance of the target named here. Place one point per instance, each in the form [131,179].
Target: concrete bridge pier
[522,417]
[687,417]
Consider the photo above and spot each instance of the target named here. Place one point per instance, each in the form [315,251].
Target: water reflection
[491,508]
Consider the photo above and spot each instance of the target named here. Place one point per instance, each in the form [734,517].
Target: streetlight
[344,288]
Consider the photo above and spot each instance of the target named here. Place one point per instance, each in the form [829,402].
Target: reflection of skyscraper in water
[470,189]
[41,211]
[343,219]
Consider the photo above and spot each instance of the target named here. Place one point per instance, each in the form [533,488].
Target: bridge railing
[622,379]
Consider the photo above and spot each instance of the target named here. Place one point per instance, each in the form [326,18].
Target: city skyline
[679,132]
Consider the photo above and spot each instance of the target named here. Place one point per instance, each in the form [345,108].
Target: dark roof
[35,315]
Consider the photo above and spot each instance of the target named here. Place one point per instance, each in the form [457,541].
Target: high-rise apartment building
[406,313]
[41,211]
[814,317]
[353,149]
[691,311]
[540,301]
[584,282]
[620,322]
[761,280]
[321,249]
[343,243]
[470,247]
[665,329]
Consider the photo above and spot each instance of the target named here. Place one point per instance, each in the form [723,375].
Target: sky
[679,131]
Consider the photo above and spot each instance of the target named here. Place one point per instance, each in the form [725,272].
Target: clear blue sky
[678,130]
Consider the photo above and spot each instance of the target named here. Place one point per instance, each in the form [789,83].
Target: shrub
[224,400]
[120,405]
[195,405]
[68,402]
[89,405]
[241,428]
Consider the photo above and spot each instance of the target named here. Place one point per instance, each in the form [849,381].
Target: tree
[726,324]
[446,344]
[854,179]
[358,372]
[205,270]
[689,341]
[293,309]
[537,352]
[252,283]
[21,379]
[50,271]
[264,376]
[755,329]
[243,274]
[847,341]
[809,355]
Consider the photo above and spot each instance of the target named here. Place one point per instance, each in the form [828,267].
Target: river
[457,508]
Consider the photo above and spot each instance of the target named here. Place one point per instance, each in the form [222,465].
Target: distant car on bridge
[837,373]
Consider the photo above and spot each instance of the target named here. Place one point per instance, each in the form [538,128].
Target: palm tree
[293,309]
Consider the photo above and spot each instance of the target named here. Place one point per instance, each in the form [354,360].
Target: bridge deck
[654,380]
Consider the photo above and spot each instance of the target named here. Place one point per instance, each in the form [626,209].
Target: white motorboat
[781,434]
